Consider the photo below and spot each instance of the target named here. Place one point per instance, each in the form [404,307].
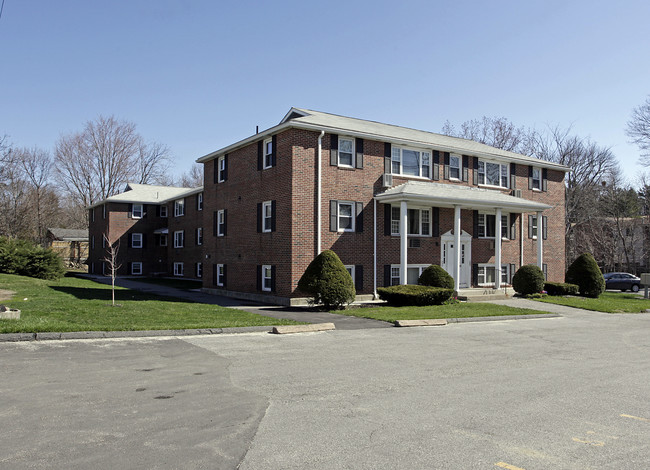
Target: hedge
[560,288]
[414,295]
[27,259]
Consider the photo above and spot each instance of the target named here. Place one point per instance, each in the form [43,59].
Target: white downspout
[521,240]
[374,255]
[318,192]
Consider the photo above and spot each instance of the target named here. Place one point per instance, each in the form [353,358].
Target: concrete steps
[484,294]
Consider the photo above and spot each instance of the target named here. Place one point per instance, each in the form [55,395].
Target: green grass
[461,310]
[185,284]
[609,302]
[74,304]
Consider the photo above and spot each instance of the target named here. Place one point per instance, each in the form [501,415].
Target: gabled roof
[69,235]
[149,194]
[446,195]
[332,123]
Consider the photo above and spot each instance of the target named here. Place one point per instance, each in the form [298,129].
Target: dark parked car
[622,281]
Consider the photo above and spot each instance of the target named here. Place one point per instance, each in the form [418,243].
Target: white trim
[351,269]
[505,269]
[221,168]
[133,216]
[265,219]
[352,153]
[420,219]
[179,207]
[400,160]
[199,203]
[164,206]
[265,268]
[265,145]
[398,267]
[220,222]
[179,269]
[199,236]
[459,167]
[501,164]
[133,239]
[539,178]
[133,270]
[219,275]
[179,239]
[506,226]
[353,206]
[199,269]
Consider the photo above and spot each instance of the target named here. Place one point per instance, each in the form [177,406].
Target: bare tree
[152,163]
[638,129]
[112,261]
[36,165]
[192,178]
[497,132]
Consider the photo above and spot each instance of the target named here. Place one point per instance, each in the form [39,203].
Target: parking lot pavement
[566,393]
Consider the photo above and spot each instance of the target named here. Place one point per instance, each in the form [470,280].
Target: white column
[497,249]
[457,248]
[540,246]
[403,227]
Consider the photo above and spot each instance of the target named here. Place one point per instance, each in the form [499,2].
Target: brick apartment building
[387,199]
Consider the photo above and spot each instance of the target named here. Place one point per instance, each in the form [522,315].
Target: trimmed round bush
[528,279]
[327,281]
[436,276]
[414,295]
[584,272]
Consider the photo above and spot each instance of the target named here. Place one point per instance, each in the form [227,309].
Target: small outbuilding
[70,244]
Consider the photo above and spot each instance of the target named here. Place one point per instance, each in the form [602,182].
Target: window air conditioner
[387,180]
[516,192]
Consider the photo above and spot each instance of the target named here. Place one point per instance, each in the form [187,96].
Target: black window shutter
[144,211]
[144,240]
[387,158]
[214,274]
[545,271]
[475,224]
[130,240]
[513,226]
[436,221]
[215,173]
[260,155]
[465,168]
[273,278]
[334,149]
[334,216]
[225,222]
[530,177]
[196,236]
[358,277]
[225,167]
[157,211]
[544,229]
[274,149]
[530,226]
[387,218]
[130,211]
[436,165]
[130,267]
[183,239]
[359,220]
[272,216]
[513,269]
[259,217]
[475,275]
[259,277]
[225,276]
[513,175]
[446,170]
[386,275]
[475,172]
[545,179]
[197,202]
[214,223]
[359,149]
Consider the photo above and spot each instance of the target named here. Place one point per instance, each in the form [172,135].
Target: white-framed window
[103,211]
[345,219]
[454,167]
[199,236]
[533,227]
[163,211]
[220,275]
[413,273]
[136,268]
[267,216]
[268,153]
[221,169]
[493,173]
[199,202]
[350,269]
[411,162]
[346,152]
[179,239]
[487,274]
[179,207]
[136,211]
[136,240]
[537,178]
[178,269]
[267,274]
[221,223]
[487,225]
[199,269]
[163,239]
[418,222]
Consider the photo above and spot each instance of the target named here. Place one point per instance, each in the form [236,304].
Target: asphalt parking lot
[566,393]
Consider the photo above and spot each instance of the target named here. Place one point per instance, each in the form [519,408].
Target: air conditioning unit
[516,192]
[414,243]
[387,180]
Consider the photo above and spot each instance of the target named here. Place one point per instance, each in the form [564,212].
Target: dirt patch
[6,294]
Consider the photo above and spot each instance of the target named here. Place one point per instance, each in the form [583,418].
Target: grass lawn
[610,302]
[186,284]
[75,304]
[461,310]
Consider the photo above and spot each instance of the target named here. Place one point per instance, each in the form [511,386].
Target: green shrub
[528,279]
[584,272]
[27,259]
[414,295]
[435,276]
[560,288]
[327,281]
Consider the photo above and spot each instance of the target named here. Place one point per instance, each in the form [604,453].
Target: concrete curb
[405,323]
[287,329]
[503,317]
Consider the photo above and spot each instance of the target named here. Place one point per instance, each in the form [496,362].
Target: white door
[449,261]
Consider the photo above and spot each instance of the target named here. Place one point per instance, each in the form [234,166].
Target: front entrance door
[448,257]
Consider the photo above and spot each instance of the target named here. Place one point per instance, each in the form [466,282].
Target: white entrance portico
[448,257]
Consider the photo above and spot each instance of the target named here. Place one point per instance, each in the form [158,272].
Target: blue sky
[199,75]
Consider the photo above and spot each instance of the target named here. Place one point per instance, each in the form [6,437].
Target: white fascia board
[524,206]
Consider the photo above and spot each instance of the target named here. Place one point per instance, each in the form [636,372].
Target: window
[268,153]
[418,224]
[179,239]
[136,211]
[486,274]
[199,269]
[199,236]
[346,152]
[178,269]
[410,162]
[394,276]
[92,214]
[345,218]
[220,275]
[199,202]
[350,270]
[136,268]
[104,211]
[536,178]
[267,216]
[163,239]
[179,207]
[221,169]
[487,225]
[221,223]
[413,273]
[267,274]
[532,226]
[163,211]
[454,167]
[493,174]
[136,240]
